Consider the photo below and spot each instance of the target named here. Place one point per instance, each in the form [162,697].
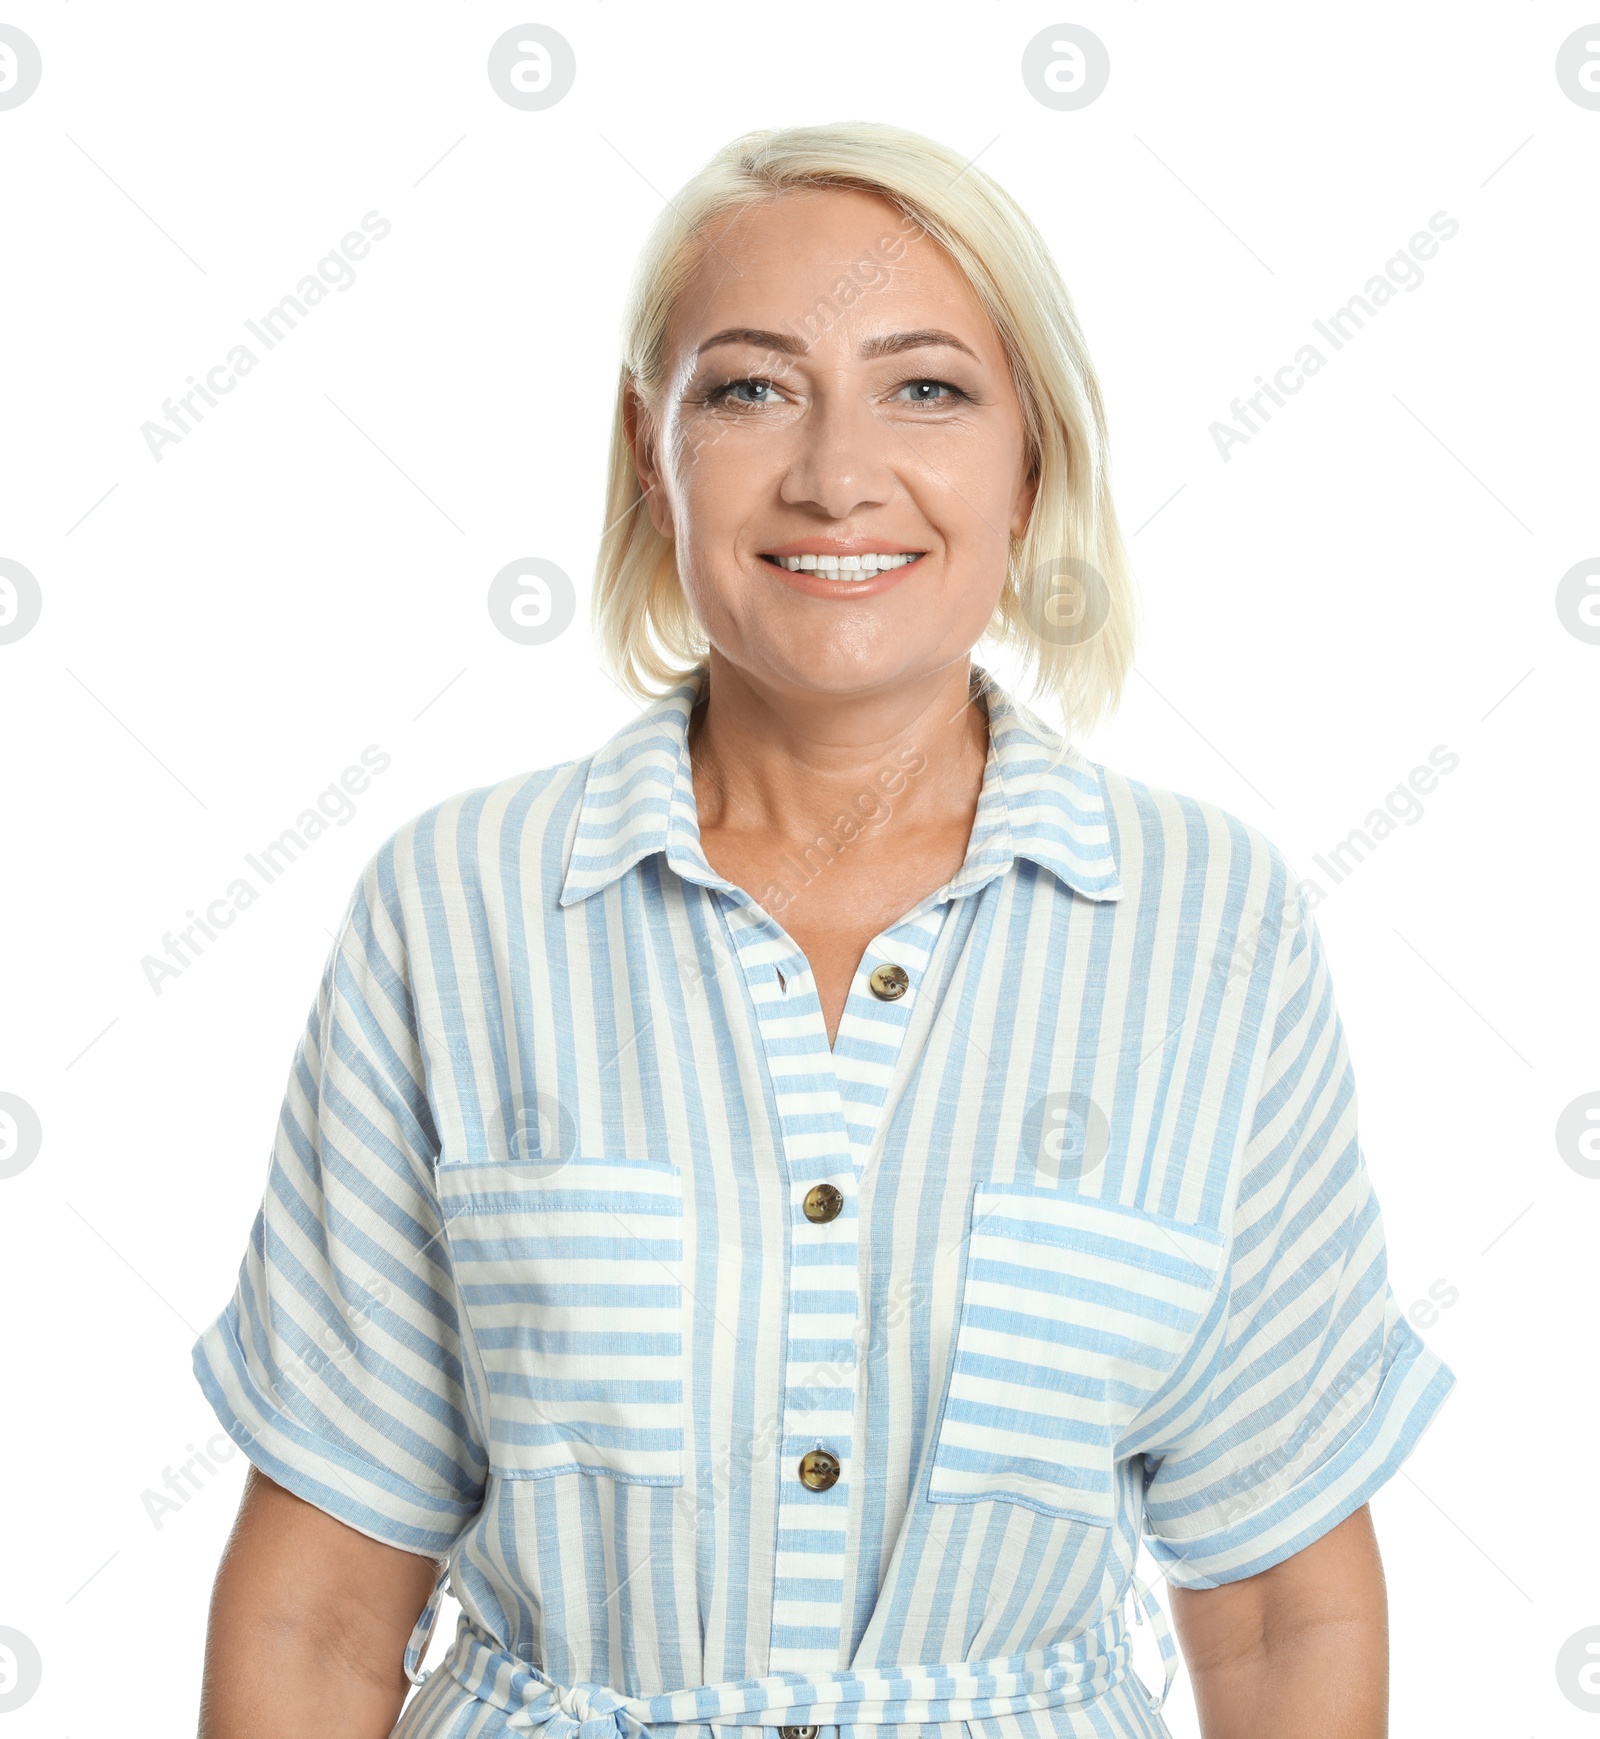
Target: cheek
[722,473]
[714,497]
[691,449]
[966,489]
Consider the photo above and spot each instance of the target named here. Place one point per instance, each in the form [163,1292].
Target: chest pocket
[1073,1312]
[572,1286]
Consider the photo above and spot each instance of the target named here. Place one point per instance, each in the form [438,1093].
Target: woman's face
[835,389]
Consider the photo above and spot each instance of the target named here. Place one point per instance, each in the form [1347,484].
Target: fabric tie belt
[1075,1671]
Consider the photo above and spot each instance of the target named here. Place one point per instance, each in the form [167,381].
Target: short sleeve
[338,1363]
[1307,1387]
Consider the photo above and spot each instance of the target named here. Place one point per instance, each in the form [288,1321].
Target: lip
[842,546]
[816,585]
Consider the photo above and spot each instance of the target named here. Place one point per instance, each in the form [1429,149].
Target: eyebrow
[888,344]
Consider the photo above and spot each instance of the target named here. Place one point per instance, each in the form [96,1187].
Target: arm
[309,1623]
[1299,1651]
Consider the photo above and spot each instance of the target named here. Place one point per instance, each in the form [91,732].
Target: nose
[843,455]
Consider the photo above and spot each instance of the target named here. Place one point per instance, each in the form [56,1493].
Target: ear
[643,448]
[1022,508]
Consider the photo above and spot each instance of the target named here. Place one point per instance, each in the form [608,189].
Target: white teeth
[841,567]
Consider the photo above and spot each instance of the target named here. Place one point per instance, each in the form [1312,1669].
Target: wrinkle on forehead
[742,250]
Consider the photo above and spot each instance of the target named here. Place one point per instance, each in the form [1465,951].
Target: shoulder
[1210,903]
[445,856]
[1171,845]
[1201,884]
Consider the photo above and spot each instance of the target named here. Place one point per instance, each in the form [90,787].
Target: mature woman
[773,1212]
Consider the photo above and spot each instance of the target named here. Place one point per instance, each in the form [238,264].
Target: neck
[787,764]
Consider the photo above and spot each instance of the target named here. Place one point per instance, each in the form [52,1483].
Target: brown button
[818,1470]
[797,1733]
[888,983]
[823,1203]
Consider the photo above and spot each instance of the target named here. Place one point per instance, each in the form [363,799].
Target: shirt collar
[638,800]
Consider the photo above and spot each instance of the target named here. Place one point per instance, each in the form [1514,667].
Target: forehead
[771,265]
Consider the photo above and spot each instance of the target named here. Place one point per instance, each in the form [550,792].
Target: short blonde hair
[1067,605]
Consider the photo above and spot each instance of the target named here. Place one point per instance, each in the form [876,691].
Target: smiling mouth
[861,567]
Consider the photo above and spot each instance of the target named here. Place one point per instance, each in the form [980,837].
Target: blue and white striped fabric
[533,1289]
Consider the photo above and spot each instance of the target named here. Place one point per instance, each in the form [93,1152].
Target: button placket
[816,1402]
[826,1148]
[879,1013]
[820,1390]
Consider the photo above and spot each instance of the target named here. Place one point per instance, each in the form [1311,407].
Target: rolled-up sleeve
[1307,1386]
[338,1363]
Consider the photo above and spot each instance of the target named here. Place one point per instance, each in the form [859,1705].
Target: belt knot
[582,1710]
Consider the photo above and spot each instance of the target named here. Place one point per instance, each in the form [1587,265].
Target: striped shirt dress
[738,1381]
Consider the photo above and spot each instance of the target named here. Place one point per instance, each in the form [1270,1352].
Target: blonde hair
[1076,641]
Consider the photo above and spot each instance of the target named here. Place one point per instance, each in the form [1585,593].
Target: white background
[1371,575]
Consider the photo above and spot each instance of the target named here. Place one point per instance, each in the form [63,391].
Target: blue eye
[942,385]
[719,394]
[733,392]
